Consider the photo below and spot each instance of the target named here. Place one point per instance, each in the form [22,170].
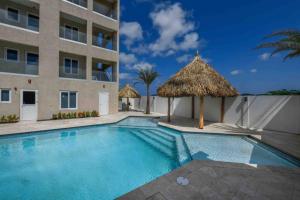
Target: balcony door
[29,105]
[103,103]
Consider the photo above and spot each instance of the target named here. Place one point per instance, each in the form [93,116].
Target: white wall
[279,113]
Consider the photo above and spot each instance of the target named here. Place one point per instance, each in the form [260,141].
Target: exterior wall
[47,82]
[277,113]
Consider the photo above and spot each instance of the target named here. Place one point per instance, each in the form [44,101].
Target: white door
[103,103]
[29,105]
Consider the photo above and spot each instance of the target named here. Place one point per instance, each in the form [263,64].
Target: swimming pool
[104,162]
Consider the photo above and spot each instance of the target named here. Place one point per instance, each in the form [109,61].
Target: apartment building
[58,56]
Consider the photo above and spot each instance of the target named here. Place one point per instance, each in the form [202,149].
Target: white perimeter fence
[277,113]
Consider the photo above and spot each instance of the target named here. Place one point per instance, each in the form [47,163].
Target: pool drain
[182,180]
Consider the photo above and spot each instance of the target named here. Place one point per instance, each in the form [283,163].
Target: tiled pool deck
[220,180]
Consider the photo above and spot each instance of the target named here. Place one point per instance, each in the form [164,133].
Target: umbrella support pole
[169,109]
[222,110]
[201,118]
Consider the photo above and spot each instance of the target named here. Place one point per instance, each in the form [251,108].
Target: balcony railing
[107,44]
[82,3]
[23,21]
[18,67]
[102,76]
[72,35]
[104,10]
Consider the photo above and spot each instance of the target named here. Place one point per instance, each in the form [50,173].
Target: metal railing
[104,10]
[102,76]
[82,3]
[21,22]
[18,67]
[72,35]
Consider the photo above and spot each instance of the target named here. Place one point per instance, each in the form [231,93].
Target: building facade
[58,56]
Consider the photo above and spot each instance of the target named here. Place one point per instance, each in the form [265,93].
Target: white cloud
[173,25]
[265,56]
[184,58]
[125,76]
[142,65]
[235,72]
[188,58]
[191,41]
[253,70]
[127,59]
[132,31]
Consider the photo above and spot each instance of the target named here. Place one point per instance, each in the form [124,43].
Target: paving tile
[133,195]
[157,196]
[182,171]
[155,186]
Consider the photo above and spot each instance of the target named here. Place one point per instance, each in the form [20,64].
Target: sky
[165,35]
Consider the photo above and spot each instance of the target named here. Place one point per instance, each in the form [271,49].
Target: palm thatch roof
[197,79]
[129,92]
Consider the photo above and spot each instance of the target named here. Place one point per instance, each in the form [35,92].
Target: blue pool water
[104,162]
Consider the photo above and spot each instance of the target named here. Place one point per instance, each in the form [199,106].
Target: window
[12,14]
[68,100]
[12,55]
[32,59]
[71,66]
[71,33]
[28,98]
[33,22]
[5,96]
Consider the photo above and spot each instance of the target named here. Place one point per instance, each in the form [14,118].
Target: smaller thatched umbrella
[197,79]
[128,92]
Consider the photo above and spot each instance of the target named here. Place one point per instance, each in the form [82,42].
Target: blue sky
[166,35]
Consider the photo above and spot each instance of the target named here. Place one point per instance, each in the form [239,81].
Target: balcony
[18,58]
[104,38]
[108,8]
[23,15]
[72,66]
[73,28]
[82,3]
[103,71]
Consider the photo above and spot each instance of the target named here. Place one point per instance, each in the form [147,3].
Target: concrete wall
[47,40]
[278,113]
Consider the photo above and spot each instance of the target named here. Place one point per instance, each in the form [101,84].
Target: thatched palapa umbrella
[129,92]
[197,79]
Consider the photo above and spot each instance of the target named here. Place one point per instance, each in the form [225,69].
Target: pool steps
[171,144]
[168,151]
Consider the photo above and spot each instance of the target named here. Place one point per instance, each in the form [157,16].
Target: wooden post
[201,117]
[127,107]
[169,109]
[193,107]
[222,110]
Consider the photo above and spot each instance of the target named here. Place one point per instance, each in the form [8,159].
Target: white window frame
[27,16]
[65,91]
[6,14]
[72,26]
[71,67]
[32,52]
[9,101]
[5,54]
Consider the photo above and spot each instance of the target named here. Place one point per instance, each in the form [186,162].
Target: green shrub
[3,119]
[87,114]
[94,113]
[9,119]
[59,116]
[54,116]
